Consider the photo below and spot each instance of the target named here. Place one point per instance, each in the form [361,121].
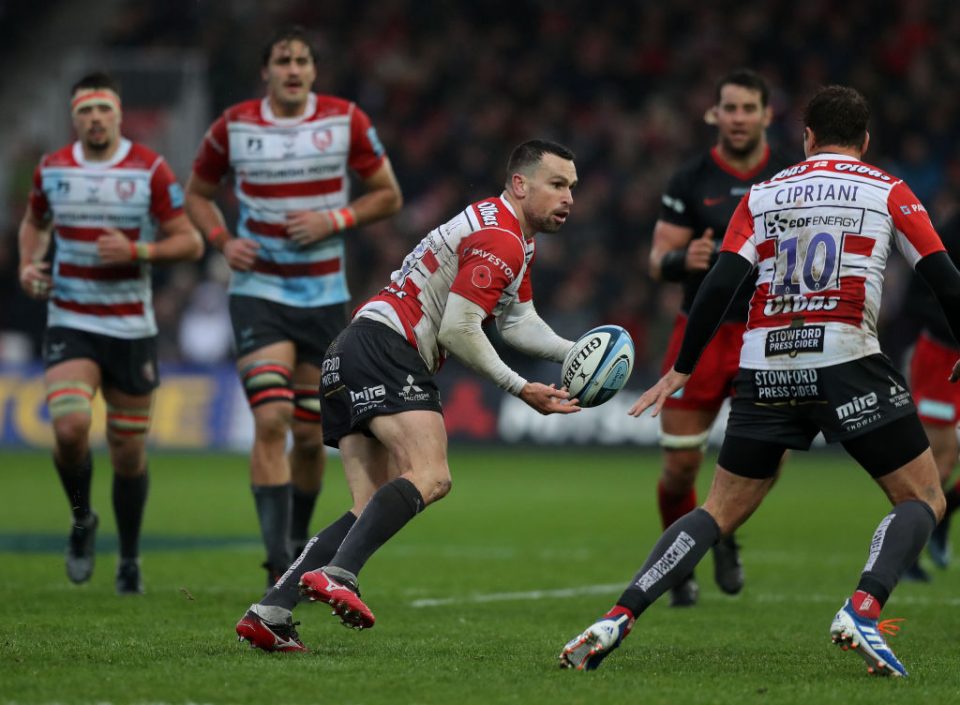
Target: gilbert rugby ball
[598,365]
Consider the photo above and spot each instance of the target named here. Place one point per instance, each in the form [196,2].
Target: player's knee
[307,437]
[72,430]
[272,421]
[439,488]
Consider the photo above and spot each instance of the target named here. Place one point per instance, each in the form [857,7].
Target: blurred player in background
[820,233]
[104,198]
[695,210]
[381,404]
[938,404]
[291,154]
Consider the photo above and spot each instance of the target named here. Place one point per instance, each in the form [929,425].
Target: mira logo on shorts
[368,396]
[859,411]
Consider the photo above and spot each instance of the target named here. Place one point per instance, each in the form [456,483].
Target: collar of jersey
[122,151]
[266,112]
[833,156]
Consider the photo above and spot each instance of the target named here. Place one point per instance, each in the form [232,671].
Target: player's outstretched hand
[955,375]
[307,227]
[240,253]
[548,400]
[658,393]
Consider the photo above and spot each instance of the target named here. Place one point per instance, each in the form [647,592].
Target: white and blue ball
[598,365]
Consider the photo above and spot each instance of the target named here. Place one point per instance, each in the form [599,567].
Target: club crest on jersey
[125,188]
[322,139]
[481,276]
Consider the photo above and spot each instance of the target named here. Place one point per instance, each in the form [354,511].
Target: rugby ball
[598,365]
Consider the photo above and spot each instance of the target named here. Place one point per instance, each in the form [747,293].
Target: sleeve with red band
[213,156]
[39,205]
[489,261]
[913,232]
[166,195]
[366,150]
[739,236]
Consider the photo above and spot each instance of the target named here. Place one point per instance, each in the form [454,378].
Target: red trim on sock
[672,506]
[866,605]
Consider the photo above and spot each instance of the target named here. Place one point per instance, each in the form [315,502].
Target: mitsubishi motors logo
[411,392]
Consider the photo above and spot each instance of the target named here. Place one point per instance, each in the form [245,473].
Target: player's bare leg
[128,420]
[307,456]
[918,503]
[272,407]
[683,439]
[70,388]
[416,445]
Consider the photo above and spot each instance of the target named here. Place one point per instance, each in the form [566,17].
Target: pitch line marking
[613,588]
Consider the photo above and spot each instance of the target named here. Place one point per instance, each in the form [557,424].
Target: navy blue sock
[129,502]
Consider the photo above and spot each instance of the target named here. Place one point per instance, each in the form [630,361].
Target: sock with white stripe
[673,558]
[896,544]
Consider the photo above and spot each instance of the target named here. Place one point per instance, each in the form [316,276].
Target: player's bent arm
[462,335]
[939,272]
[180,242]
[522,328]
[381,198]
[33,241]
[203,210]
[668,253]
[712,301]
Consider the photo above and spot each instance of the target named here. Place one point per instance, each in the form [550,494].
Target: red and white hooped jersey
[820,233]
[282,165]
[480,254]
[133,192]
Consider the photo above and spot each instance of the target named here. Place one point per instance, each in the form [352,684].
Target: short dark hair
[290,33]
[745,78]
[838,115]
[531,152]
[97,79]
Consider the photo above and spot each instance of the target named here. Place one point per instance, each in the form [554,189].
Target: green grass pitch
[474,599]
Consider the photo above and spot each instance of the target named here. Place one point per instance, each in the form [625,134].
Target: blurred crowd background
[452,87]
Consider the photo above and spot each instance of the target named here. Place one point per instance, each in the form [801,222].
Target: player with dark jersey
[938,404]
[696,206]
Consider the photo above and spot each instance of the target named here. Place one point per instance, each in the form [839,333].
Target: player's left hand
[308,227]
[658,393]
[548,399]
[955,375]
[114,247]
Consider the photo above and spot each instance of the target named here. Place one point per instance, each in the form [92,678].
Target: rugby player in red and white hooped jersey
[380,402]
[291,153]
[820,233]
[105,198]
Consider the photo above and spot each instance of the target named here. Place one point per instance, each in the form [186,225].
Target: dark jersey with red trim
[920,303]
[282,165]
[480,254]
[820,233]
[703,194]
[133,192]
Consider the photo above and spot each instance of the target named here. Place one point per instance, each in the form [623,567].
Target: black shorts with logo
[790,407]
[129,365]
[371,370]
[258,323]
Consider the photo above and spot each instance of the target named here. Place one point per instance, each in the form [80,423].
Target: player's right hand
[659,393]
[35,280]
[241,253]
[700,252]
[548,400]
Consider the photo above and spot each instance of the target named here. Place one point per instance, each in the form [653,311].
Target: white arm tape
[461,335]
[523,329]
